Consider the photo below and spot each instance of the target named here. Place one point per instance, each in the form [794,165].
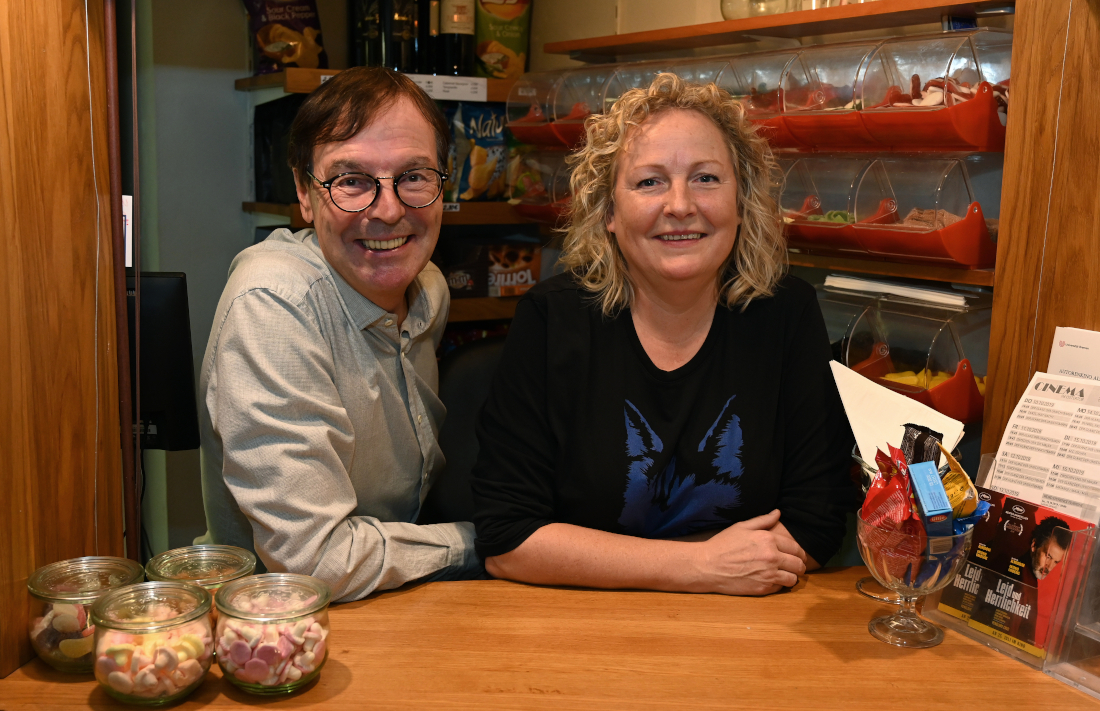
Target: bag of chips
[480,152]
[285,33]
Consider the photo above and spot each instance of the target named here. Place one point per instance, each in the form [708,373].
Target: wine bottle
[383,34]
[456,33]
[365,42]
[428,31]
[402,35]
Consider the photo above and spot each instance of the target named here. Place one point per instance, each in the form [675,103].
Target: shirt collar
[365,313]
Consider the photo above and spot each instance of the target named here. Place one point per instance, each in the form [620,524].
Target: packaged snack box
[513,269]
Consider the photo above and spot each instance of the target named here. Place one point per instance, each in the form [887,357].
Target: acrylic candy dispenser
[938,92]
[757,81]
[818,202]
[924,209]
[529,108]
[578,95]
[820,88]
[934,354]
[545,200]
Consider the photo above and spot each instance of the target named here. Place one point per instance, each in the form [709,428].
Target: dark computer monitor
[169,414]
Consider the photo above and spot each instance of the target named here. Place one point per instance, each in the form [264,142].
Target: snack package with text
[285,33]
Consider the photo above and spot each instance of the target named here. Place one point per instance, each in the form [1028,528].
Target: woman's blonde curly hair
[759,257]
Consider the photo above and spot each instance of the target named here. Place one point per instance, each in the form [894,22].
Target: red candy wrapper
[891,510]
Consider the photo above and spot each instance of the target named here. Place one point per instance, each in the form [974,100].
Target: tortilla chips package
[285,33]
[503,27]
[478,172]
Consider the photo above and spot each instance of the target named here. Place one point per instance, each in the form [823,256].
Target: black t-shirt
[581,427]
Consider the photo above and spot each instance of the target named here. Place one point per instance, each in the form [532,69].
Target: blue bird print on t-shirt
[674,502]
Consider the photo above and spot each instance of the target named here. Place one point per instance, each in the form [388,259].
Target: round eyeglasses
[355,192]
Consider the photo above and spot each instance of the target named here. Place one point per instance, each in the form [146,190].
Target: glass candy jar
[62,594]
[272,631]
[209,567]
[153,642]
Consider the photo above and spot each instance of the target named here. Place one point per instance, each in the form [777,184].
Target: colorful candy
[272,631]
[271,654]
[157,665]
[62,634]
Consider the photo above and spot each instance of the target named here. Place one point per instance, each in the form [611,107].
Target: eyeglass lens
[416,188]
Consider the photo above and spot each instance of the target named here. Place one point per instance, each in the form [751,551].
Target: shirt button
[389,322]
[419,418]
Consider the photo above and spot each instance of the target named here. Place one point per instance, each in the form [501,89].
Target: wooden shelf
[302,81]
[482,308]
[468,213]
[976,277]
[883,14]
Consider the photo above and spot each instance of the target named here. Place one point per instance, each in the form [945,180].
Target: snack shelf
[879,15]
[295,80]
[975,277]
[483,308]
[468,213]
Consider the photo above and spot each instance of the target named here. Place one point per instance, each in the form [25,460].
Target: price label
[451,206]
[452,88]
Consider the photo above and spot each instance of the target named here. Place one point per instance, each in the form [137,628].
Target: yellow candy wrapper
[960,490]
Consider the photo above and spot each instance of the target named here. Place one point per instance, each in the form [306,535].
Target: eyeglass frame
[327,185]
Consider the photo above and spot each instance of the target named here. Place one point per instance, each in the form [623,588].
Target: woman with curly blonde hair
[663,415]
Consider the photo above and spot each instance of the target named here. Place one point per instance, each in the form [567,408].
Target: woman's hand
[748,558]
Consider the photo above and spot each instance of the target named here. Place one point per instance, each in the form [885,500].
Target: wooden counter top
[494,645]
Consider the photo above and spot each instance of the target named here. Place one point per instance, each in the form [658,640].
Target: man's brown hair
[349,102]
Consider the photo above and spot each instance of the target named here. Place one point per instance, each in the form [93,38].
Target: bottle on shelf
[428,31]
[456,37]
[383,33]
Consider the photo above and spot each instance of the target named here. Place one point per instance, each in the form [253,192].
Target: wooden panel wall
[1048,259]
[60,476]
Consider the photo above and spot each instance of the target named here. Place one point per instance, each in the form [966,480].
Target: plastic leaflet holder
[924,209]
[1074,653]
[757,81]
[938,92]
[934,354]
[529,108]
[549,203]
[818,202]
[819,96]
[1072,630]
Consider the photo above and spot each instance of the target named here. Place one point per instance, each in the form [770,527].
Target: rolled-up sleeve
[287,446]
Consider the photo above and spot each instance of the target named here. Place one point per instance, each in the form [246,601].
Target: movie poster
[1009,585]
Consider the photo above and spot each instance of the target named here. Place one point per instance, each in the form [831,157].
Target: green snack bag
[503,27]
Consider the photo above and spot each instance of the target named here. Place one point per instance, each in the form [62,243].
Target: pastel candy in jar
[272,631]
[62,593]
[154,642]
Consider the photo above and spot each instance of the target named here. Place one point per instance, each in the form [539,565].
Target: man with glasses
[320,416]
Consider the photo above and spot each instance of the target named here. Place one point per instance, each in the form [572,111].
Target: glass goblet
[901,563]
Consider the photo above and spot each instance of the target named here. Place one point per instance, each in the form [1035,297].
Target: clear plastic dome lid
[205,566]
[151,607]
[921,338]
[272,596]
[822,189]
[529,98]
[824,77]
[934,71]
[83,579]
[580,93]
[913,193]
[757,79]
